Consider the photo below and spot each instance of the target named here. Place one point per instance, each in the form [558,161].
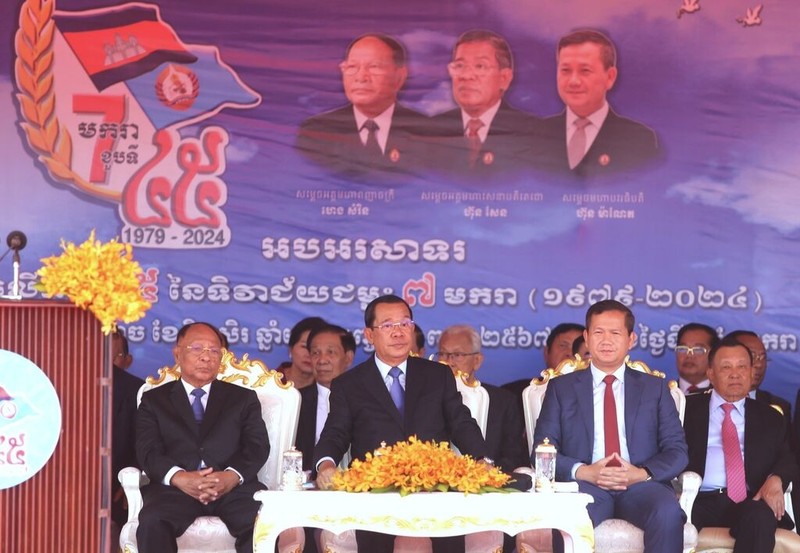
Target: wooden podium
[66,506]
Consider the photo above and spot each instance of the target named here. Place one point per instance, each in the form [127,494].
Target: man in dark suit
[123,445]
[695,340]
[332,349]
[617,433]
[589,139]
[374,133]
[484,135]
[389,398]
[753,342]
[741,448]
[460,348]
[201,442]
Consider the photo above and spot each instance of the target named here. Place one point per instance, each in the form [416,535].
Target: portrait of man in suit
[484,135]
[617,433]
[695,340]
[589,139]
[374,132]
[201,441]
[389,398]
[741,448]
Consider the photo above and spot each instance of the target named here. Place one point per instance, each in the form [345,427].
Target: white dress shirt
[597,119]
[486,118]
[714,474]
[384,122]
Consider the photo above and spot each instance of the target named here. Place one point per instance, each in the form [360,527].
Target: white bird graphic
[751,17]
[688,6]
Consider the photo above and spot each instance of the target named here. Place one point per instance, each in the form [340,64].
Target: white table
[424,514]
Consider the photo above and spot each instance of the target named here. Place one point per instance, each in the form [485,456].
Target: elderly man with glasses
[373,132]
[484,135]
[695,340]
[389,398]
[201,442]
[460,347]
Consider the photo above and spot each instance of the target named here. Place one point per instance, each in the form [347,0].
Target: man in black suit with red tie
[741,448]
[389,398]
[484,135]
[201,441]
[374,133]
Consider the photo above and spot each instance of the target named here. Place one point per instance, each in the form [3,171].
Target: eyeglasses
[760,357]
[373,68]
[480,68]
[686,350]
[405,324]
[455,356]
[198,350]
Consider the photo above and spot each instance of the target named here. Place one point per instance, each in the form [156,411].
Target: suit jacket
[771,399]
[621,145]
[307,425]
[652,427]
[363,415]
[123,445]
[766,442]
[332,140]
[505,431]
[232,433]
[511,144]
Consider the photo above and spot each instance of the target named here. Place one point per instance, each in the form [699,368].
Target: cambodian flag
[120,43]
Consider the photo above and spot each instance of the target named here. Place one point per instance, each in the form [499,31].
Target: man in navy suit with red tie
[618,434]
[741,448]
[201,441]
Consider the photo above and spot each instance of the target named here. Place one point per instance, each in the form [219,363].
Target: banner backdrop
[207,134]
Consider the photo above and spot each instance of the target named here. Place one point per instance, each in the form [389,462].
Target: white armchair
[476,398]
[280,408]
[613,535]
[719,540]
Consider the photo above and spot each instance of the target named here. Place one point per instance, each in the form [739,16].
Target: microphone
[17,240]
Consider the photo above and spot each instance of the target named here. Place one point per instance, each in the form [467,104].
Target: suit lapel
[217,398]
[583,387]
[181,402]
[633,399]
[752,444]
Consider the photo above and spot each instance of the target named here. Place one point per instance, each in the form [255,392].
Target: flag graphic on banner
[120,43]
[187,93]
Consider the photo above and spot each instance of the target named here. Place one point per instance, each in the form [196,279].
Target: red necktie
[692,389]
[610,427]
[474,140]
[734,465]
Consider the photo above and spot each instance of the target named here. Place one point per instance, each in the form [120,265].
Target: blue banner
[233,159]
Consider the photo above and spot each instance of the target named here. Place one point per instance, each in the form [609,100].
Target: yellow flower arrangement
[100,277]
[414,466]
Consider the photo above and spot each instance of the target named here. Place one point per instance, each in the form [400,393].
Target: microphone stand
[15,285]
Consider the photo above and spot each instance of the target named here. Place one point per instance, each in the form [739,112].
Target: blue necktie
[396,391]
[197,405]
